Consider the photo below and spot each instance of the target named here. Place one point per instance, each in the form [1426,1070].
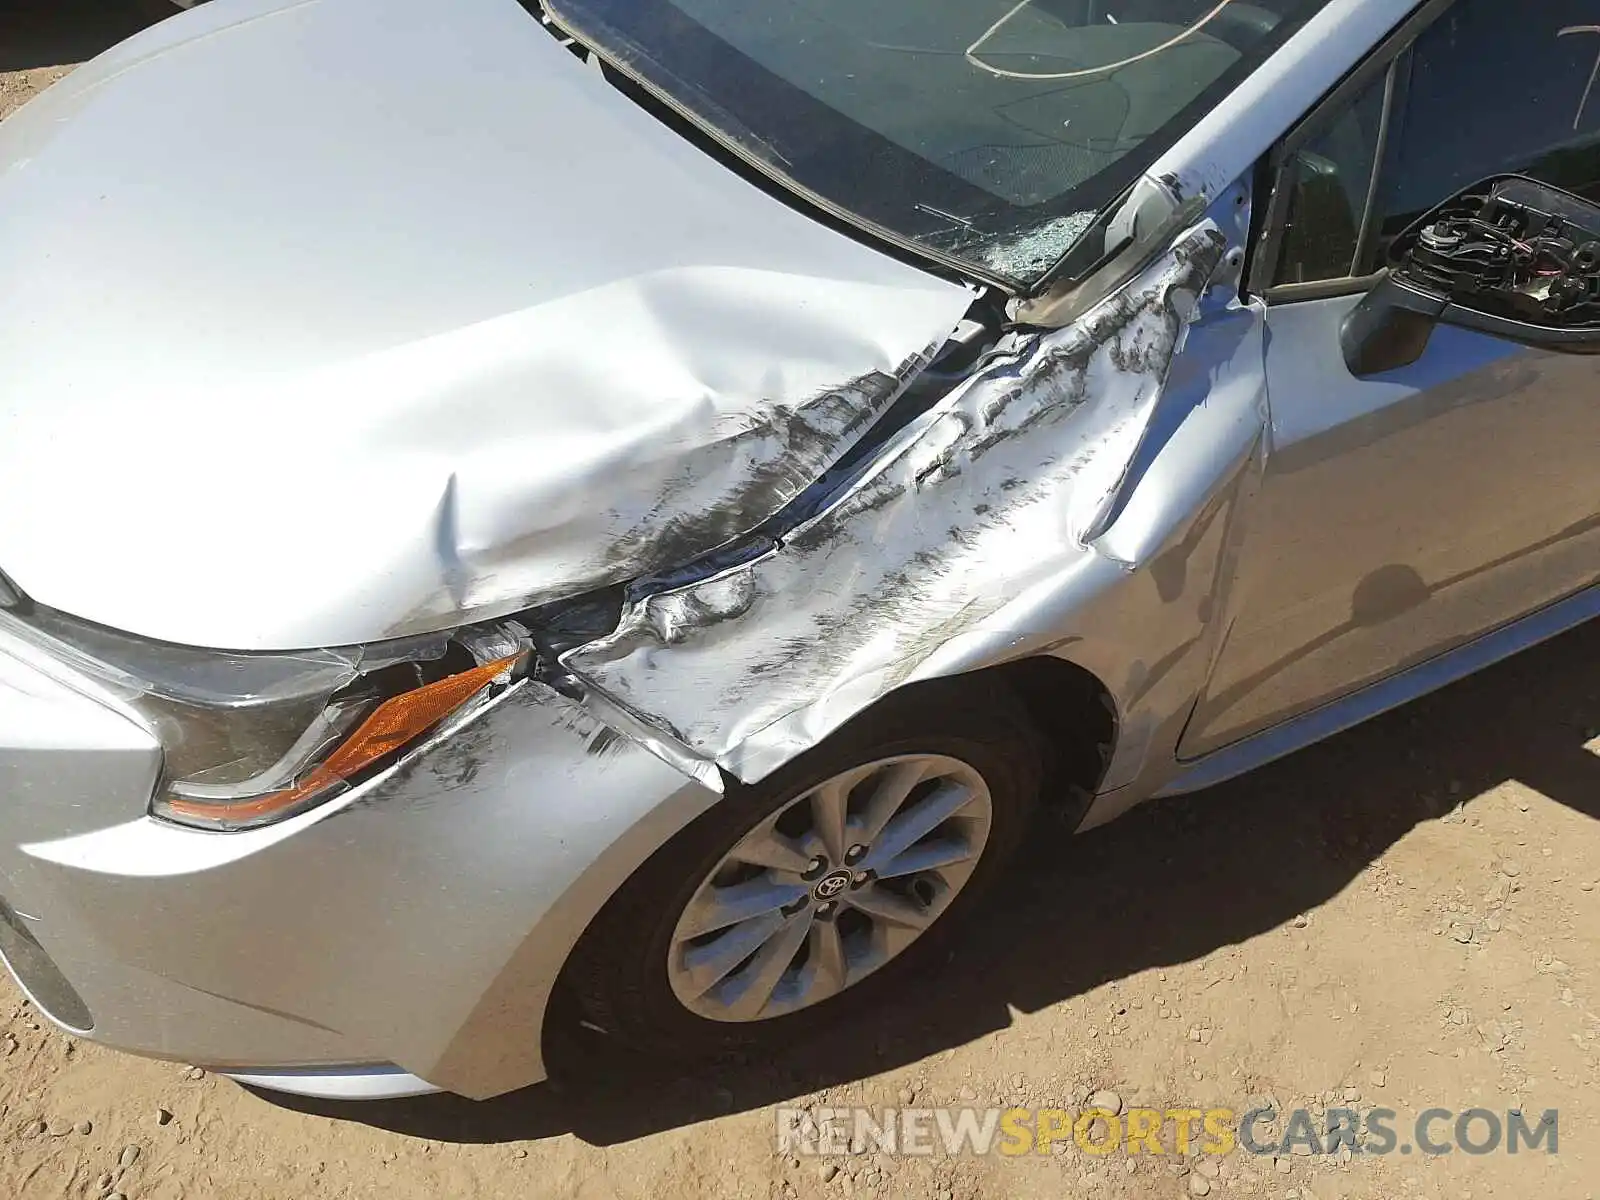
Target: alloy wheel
[841,879]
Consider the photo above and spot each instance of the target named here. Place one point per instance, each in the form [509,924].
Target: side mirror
[1509,257]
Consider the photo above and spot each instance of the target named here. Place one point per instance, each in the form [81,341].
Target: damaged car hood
[323,322]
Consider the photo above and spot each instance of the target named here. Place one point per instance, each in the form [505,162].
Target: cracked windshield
[991,132]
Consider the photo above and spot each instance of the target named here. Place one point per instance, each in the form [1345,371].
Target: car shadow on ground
[53,33]
[1172,882]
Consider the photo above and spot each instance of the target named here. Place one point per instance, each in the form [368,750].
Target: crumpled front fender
[1036,486]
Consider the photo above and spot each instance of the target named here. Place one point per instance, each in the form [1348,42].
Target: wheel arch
[1077,718]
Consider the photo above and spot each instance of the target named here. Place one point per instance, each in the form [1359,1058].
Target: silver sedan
[647,498]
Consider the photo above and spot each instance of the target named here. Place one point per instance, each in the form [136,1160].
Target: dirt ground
[1404,917]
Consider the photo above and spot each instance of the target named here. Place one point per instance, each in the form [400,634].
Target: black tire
[618,972]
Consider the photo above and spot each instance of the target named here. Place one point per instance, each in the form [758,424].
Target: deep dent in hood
[328,322]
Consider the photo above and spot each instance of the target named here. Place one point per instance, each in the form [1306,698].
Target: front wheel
[790,903]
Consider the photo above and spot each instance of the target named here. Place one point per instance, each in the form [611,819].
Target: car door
[1403,514]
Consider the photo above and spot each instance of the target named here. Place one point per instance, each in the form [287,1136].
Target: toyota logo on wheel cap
[830,886]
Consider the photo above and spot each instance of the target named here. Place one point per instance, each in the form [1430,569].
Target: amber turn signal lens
[394,724]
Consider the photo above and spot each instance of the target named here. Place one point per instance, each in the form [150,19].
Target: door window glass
[1496,88]
[1328,179]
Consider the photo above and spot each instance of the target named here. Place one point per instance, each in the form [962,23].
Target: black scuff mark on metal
[430,776]
[604,741]
[452,760]
[782,454]
[457,762]
[925,545]
[788,449]
[456,759]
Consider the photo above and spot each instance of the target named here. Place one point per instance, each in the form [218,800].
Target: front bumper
[416,925]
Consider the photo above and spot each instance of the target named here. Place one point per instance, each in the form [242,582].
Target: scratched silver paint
[992,494]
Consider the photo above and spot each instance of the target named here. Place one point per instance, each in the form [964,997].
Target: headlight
[253,738]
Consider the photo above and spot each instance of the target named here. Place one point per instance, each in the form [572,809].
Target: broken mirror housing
[249,739]
[1509,257]
[1526,250]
